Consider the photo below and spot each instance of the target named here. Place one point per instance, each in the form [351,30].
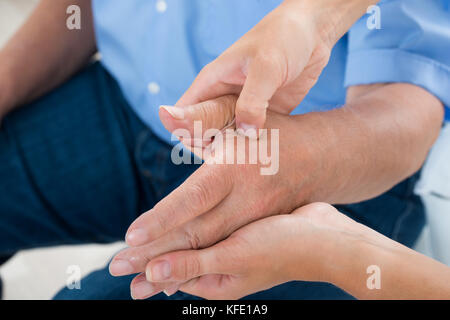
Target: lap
[77,166]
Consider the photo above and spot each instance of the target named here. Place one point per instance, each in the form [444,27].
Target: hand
[314,151]
[219,199]
[277,62]
[307,245]
[314,243]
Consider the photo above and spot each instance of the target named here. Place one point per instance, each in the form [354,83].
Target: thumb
[212,114]
[262,81]
[182,266]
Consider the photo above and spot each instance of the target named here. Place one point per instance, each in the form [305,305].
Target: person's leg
[153,161]
[67,170]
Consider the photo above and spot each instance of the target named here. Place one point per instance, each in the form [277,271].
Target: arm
[380,137]
[44,53]
[404,273]
[339,156]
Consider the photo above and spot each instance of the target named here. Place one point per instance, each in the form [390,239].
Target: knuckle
[210,113]
[228,100]
[192,238]
[199,195]
[267,59]
[191,268]
[162,220]
[206,72]
[228,106]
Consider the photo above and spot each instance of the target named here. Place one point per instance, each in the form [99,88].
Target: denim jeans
[77,166]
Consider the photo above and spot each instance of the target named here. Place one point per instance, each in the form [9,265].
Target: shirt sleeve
[412,45]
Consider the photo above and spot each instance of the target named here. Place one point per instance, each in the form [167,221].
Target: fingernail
[247,130]
[142,290]
[176,112]
[171,290]
[136,237]
[159,272]
[120,268]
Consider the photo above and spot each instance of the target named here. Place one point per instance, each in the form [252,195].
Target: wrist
[349,270]
[335,254]
[332,18]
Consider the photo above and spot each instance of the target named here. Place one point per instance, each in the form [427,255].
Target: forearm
[375,141]
[44,52]
[403,273]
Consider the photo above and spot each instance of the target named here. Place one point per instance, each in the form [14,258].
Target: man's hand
[276,63]
[220,198]
[341,156]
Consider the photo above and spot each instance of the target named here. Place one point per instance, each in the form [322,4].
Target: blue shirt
[155,48]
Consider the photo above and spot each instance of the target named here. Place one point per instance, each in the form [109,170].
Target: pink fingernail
[159,272]
[120,268]
[142,290]
[176,112]
[171,290]
[247,130]
[136,237]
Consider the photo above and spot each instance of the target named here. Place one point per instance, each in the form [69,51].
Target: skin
[44,53]
[277,62]
[314,243]
[387,131]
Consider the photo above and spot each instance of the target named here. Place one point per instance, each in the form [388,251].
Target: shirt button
[153,88]
[161,6]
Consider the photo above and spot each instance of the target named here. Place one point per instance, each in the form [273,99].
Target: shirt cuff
[393,65]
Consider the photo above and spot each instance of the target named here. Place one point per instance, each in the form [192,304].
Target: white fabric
[434,188]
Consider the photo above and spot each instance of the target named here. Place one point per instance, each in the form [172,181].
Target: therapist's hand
[277,62]
[268,252]
[314,243]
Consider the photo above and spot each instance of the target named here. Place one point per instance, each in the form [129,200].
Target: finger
[212,114]
[142,289]
[198,194]
[213,287]
[219,78]
[201,232]
[182,266]
[263,80]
